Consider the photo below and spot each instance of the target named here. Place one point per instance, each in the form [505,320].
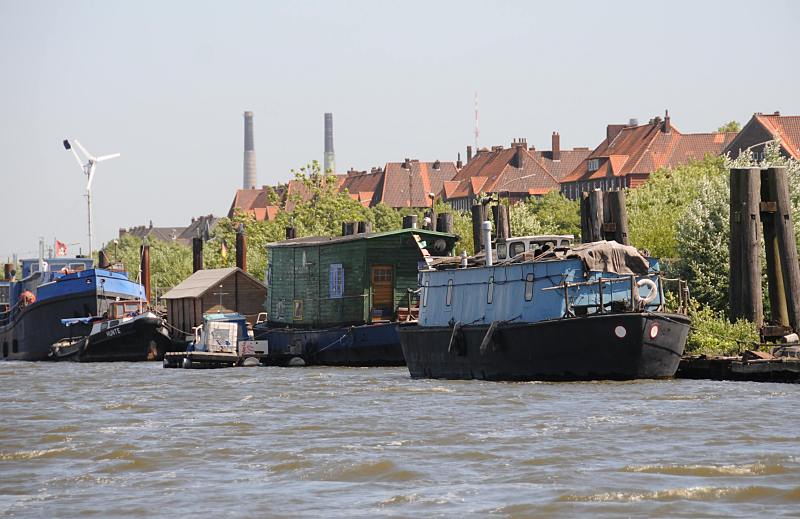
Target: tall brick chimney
[666,128]
[469,154]
[556,146]
[612,130]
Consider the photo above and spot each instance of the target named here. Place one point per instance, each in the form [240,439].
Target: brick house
[631,152]
[517,172]
[763,128]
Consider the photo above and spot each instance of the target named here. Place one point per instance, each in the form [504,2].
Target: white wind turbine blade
[91,176]
[89,155]
[74,153]
[106,157]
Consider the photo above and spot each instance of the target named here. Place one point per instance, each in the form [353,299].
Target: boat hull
[142,339]
[33,331]
[620,346]
[359,346]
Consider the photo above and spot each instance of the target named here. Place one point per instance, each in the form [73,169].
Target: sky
[165,84]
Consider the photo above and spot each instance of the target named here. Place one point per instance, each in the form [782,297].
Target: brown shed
[233,288]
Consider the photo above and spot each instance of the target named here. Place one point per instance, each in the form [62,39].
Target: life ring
[651,296]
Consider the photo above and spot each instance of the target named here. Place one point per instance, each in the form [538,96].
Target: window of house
[490,291]
[594,164]
[529,287]
[448,298]
[336,281]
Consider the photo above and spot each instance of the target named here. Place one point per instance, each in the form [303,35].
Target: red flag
[61,249]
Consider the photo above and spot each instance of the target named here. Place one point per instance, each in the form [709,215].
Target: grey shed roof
[201,282]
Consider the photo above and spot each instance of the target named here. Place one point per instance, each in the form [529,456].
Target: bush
[713,334]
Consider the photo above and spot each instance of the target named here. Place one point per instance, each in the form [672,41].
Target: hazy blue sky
[165,84]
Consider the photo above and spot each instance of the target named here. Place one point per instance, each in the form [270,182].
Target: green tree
[730,126]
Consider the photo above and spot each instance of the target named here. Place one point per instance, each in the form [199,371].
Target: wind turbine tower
[88,169]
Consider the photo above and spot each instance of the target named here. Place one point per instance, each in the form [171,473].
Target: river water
[136,440]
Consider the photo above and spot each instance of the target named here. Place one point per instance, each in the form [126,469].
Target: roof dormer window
[594,164]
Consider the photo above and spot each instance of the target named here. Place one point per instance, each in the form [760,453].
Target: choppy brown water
[136,440]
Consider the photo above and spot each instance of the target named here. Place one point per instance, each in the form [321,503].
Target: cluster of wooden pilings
[241,250]
[480,213]
[604,216]
[760,201]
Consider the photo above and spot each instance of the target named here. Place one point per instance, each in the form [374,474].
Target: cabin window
[448,298]
[131,308]
[382,274]
[529,287]
[336,281]
[425,293]
[77,267]
[490,291]
[502,250]
[297,310]
[517,248]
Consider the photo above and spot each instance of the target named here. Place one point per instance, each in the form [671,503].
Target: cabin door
[382,292]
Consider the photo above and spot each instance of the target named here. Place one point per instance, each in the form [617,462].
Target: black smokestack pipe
[7,268]
[145,266]
[241,248]
[197,254]
[102,260]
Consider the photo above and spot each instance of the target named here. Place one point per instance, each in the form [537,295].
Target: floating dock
[205,359]
[752,366]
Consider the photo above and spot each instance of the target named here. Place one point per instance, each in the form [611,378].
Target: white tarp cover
[222,337]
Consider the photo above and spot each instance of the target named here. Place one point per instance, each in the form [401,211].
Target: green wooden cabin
[329,281]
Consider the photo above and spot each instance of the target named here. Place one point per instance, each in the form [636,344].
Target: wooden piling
[777,296]
[787,246]
[444,223]
[144,254]
[478,216]
[503,228]
[745,259]
[197,254]
[596,215]
[586,234]
[241,248]
[618,216]
[410,221]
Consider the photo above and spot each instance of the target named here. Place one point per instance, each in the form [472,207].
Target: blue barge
[53,289]
[591,312]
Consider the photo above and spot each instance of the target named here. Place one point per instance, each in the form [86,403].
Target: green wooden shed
[319,282]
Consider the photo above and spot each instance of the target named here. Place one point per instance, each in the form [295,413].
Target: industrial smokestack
[249,153]
[330,156]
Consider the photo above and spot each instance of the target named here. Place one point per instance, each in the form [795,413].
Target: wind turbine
[88,169]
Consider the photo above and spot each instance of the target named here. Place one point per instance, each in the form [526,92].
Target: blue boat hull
[618,346]
[368,345]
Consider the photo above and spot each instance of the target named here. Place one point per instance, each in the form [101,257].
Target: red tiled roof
[641,150]
[515,170]
[409,187]
[762,127]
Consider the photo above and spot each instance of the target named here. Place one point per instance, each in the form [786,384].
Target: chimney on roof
[633,121]
[459,165]
[437,164]
[249,153]
[776,113]
[330,156]
[519,156]
[469,154]
[407,164]
[556,146]
[151,224]
[666,127]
